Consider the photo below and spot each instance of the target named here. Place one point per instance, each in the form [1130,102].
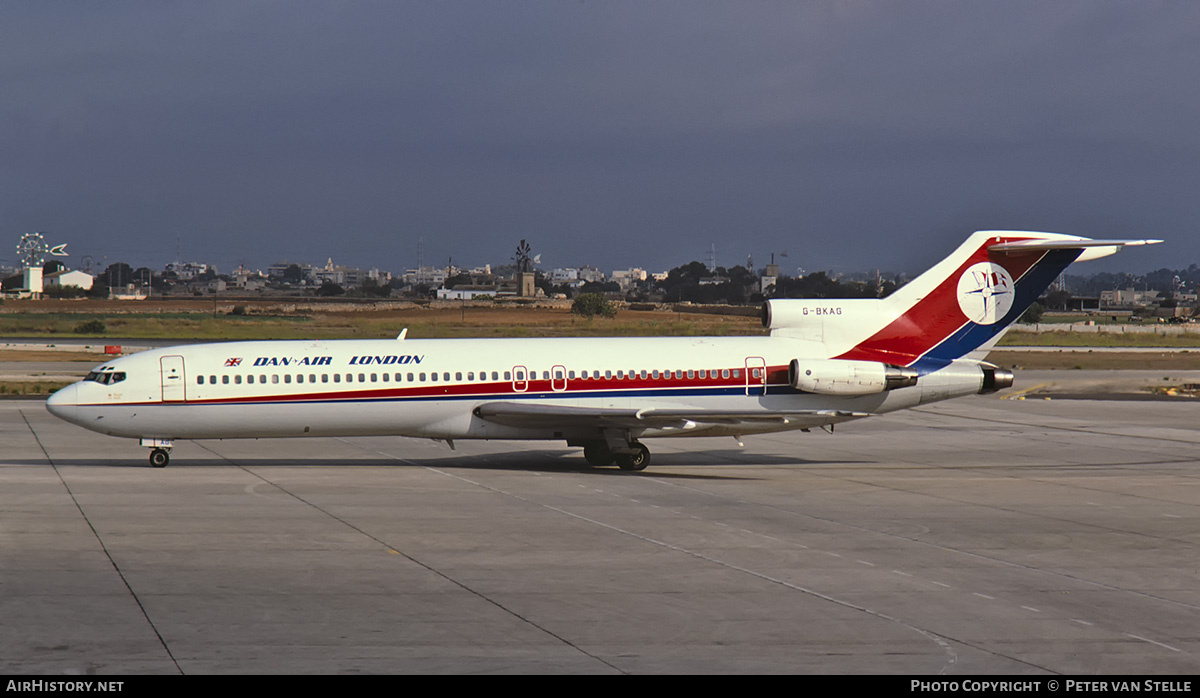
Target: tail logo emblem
[985,293]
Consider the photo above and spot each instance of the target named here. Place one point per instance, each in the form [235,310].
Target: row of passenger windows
[238,379]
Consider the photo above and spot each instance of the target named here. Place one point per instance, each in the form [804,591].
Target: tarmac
[975,536]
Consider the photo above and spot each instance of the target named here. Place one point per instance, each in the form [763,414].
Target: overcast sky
[853,135]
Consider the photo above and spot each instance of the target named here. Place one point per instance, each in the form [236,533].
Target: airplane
[825,361]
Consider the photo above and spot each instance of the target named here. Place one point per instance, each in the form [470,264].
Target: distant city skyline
[853,135]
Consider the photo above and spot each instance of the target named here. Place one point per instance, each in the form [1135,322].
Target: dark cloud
[853,135]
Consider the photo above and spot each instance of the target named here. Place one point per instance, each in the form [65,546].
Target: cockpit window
[105,377]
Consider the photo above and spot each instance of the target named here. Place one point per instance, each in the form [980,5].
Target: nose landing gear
[161,455]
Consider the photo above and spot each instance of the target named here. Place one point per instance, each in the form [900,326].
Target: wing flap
[562,416]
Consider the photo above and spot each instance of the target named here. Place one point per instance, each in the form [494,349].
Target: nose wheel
[159,457]
[161,453]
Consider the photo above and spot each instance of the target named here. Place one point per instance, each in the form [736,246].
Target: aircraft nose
[63,403]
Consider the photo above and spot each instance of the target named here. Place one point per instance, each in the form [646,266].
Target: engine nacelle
[842,377]
[995,378]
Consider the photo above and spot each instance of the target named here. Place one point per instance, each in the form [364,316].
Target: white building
[626,278]
[186,271]
[462,293]
[72,277]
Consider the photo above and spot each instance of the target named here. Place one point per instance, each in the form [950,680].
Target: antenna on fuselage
[402,335]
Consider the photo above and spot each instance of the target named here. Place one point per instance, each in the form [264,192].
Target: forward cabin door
[173,383]
[756,375]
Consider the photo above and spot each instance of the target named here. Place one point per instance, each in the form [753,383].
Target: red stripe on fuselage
[577,387]
[936,316]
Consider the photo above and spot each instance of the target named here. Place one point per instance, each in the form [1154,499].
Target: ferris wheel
[33,249]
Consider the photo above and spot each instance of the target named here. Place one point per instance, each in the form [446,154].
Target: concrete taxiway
[977,536]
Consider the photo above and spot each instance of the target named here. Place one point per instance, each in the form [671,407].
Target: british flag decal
[233,362]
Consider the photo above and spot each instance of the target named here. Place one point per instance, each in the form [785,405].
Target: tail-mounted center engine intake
[842,377]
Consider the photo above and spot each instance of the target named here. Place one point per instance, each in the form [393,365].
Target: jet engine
[995,378]
[842,377]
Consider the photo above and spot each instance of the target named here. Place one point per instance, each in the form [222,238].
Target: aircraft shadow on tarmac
[533,461]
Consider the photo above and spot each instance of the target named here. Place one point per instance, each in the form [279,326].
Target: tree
[589,305]
[117,274]
[370,288]
[1033,315]
[68,291]
[1058,300]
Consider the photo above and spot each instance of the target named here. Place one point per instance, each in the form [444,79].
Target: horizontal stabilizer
[1067,244]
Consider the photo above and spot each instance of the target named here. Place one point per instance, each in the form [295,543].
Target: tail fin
[972,296]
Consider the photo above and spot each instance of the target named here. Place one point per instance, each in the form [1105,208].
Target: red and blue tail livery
[824,362]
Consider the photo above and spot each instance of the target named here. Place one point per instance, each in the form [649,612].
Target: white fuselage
[431,387]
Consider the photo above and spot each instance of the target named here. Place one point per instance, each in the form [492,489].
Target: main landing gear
[632,458]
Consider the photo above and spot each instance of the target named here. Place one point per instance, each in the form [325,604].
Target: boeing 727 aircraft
[826,361]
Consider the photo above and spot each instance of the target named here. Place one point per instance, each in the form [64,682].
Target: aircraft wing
[551,416]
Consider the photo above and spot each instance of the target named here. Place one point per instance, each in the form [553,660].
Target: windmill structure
[32,251]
